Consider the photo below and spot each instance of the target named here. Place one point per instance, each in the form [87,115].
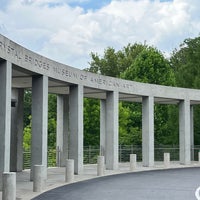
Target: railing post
[58,156]
[120,153]
[89,153]
[9,186]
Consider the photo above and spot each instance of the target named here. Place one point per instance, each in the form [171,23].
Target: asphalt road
[171,184]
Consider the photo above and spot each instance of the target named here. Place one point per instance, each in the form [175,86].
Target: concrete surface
[173,184]
[56,178]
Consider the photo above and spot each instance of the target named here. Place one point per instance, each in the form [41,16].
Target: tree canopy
[186,63]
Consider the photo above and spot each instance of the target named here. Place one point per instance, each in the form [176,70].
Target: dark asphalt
[171,184]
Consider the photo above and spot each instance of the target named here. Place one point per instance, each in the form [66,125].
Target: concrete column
[62,138]
[102,126]
[166,159]
[192,131]
[184,132]
[111,155]
[69,171]
[148,131]
[100,165]
[133,162]
[9,186]
[199,157]
[76,127]
[39,122]
[5,117]
[17,113]
[39,179]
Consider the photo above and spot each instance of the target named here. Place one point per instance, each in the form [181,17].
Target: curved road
[171,184]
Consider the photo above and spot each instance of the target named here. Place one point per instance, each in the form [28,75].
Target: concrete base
[100,166]
[9,186]
[167,160]
[133,162]
[69,171]
[39,178]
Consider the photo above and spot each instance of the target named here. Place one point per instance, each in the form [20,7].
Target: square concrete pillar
[102,126]
[184,132]
[5,117]
[192,131]
[62,138]
[76,127]
[112,125]
[39,121]
[17,113]
[148,131]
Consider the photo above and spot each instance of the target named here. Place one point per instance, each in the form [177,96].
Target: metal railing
[91,153]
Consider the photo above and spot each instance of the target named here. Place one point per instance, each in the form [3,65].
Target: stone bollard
[166,159]
[133,162]
[69,171]
[100,166]
[39,178]
[9,186]
[199,157]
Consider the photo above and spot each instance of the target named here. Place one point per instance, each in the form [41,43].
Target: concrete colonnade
[20,68]
[70,125]
[109,130]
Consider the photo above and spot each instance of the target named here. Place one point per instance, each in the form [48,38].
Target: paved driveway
[171,184]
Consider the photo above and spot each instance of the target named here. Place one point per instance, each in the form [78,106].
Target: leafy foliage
[51,120]
[91,122]
[186,64]
[150,66]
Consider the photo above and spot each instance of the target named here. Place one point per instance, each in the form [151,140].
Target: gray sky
[68,31]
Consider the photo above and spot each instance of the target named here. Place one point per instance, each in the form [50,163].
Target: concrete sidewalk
[56,177]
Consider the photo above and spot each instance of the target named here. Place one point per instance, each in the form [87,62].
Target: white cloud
[66,34]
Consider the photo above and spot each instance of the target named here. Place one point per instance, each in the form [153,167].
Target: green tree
[52,115]
[186,64]
[27,107]
[51,120]
[27,136]
[91,122]
[150,66]
[113,62]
